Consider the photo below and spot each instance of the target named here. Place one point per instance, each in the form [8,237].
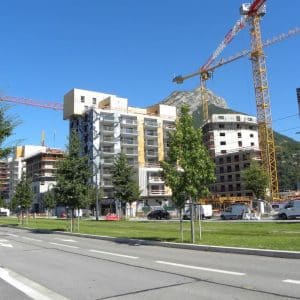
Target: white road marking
[14,235]
[200,268]
[28,287]
[114,254]
[64,245]
[291,281]
[31,239]
[66,240]
[3,240]
[6,245]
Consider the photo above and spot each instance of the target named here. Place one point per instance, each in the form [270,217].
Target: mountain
[193,99]
[287,149]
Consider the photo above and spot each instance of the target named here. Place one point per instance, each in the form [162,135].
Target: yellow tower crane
[251,13]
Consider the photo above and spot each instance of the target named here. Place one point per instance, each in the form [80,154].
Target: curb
[208,248]
[220,249]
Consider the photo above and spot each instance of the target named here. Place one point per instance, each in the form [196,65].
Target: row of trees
[188,170]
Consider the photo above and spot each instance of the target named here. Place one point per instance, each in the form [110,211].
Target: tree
[23,196]
[125,186]
[256,179]
[7,126]
[188,169]
[49,200]
[95,193]
[73,174]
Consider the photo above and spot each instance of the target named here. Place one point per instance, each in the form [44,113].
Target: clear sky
[133,48]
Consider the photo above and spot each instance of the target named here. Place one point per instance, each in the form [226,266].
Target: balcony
[130,152]
[155,179]
[108,118]
[157,192]
[129,131]
[151,133]
[129,122]
[151,144]
[108,161]
[106,128]
[128,142]
[151,123]
[108,140]
[151,153]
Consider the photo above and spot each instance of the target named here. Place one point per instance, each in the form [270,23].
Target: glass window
[82,99]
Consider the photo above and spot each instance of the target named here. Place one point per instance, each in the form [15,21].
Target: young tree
[189,167]
[73,174]
[95,194]
[49,201]
[125,186]
[256,179]
[23,196]
[7,126]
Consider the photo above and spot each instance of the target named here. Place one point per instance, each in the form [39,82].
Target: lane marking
[64,245]
[291,281]
[14,235]
[28,287]
[6,245]
[200,268]
[66,240]
[31,239]
[114,254]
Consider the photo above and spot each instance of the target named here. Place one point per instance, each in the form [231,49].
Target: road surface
[52,266]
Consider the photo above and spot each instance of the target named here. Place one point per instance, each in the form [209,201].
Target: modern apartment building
[17,165]
[4,180]
[233,143]
[40,169]
[108,126]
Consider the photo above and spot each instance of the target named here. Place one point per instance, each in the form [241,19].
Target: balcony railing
[157,192]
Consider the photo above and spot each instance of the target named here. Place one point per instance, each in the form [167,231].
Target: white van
[235,211]
[206,212]
[290,211]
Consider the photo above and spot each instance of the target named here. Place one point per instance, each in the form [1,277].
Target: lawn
[264,235]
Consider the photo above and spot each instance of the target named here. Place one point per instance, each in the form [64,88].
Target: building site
[108,125]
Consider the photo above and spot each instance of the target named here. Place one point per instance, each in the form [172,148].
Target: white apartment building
[108,126]
[233,142]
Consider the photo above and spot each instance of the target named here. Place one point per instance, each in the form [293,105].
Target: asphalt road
[52,266]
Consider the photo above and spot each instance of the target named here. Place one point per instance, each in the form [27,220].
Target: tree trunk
[181,224]
[200,227]
[192,221]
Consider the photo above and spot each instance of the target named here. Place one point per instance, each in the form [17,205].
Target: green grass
[264,235]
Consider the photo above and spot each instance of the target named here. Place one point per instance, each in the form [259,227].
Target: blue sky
[133,48]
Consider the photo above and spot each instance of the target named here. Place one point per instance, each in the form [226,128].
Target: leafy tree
[256,179]
[23,196]
[125,186]
[73,174]
[49,200]
[7,126]
[2,201]
[188,167]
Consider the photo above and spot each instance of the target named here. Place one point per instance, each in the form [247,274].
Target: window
[229,178]
[221,126]
[221,169]
[252,144]
[236,158]
[240,143]
[237,177]
[221,117]
[223,151]
[237,167]
[221,160]
[94,100]
[222,178]
[229,169]
[228,159]
[239,134]
[223,143]
[222,133]
[82,99]
[251,135]
[230,187]
[238,118]
[238,126]
[238,186]
[249,119]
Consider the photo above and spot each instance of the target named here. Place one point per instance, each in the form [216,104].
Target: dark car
[159,214]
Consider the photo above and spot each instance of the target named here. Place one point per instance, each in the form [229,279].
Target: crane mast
[263,107]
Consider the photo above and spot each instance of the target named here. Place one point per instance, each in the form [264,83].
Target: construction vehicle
[251,14]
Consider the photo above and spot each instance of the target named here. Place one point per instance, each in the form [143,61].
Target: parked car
[159,214]
[235,211]
[290,211]
[206,212]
